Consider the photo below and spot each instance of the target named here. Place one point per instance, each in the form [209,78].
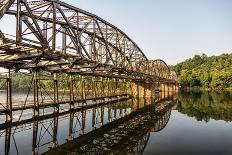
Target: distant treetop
[207,72]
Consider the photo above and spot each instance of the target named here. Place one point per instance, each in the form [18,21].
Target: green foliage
[207,72]
[24,81]
[20,81]
[206,105]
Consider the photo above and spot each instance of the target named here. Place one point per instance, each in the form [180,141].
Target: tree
[204,71]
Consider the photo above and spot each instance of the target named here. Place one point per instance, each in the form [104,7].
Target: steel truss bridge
[54,38]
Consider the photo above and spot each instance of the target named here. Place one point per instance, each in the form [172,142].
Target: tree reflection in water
[206,105]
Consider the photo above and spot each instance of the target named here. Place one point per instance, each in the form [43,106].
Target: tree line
[214,72]
[23,81]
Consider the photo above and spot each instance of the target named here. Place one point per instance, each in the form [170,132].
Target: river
[188,123]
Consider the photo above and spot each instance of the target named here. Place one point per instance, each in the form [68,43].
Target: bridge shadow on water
[117,127]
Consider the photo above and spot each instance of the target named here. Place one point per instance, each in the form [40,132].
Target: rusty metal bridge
[81,56]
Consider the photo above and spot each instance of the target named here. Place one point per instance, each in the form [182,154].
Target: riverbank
[206,89]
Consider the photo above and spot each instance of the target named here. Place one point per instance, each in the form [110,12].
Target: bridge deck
[51,115]
[21,106]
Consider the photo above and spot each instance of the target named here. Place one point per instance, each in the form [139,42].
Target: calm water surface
[192,123]
[201,124]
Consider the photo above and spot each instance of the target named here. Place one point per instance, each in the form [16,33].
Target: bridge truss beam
[54,36]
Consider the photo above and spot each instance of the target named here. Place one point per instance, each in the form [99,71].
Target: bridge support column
[83,94]
[170,87]
[167,86]
[115,89]
[141,89]
[111,86]
[102,87]
[56,94]
[124,87]
[162,87]
[36,94]
[9,97]
[166,90]
[71,92]
[94,87]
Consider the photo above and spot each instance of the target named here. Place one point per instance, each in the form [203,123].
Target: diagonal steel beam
[4,6]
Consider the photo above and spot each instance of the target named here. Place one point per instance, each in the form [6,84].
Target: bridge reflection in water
[121,126]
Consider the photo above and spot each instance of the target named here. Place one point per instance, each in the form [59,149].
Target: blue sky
[172,30]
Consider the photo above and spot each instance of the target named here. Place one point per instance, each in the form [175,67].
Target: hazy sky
[172,30]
